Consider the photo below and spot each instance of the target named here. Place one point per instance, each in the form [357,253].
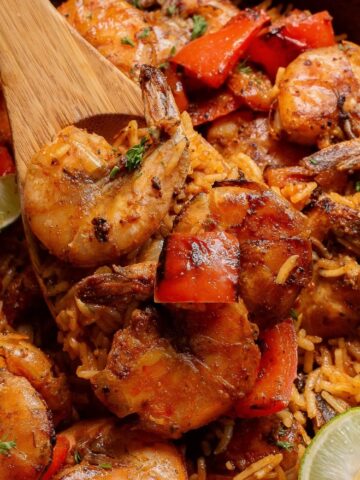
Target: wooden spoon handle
[52,77]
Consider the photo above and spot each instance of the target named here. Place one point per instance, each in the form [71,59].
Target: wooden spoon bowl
[52,77]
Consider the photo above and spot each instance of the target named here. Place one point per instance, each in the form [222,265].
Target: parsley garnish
[244,68]
[172,51]
[77,457]
[357,186]
[105,466]
[145,32]
[135,154]
[115,170]
[136,4]
[127,41]
[313,161]
[164,66]
[282,430]
[200,26]
[5,447]
[170,11]
[294,314]
[288,446]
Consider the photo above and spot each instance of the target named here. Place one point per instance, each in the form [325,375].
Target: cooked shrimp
[114,28]
[249,132]
[26,430]
[339,215]
[24,359]
[104,299]
[341,157]
[87,215]
[159,362]
[110,451]
[319,96]
[125,35]
[274,243]
[330,304]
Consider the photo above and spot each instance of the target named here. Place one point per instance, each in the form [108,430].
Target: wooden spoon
[52,78]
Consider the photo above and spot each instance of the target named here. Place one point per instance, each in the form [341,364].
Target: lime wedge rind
[9,200]
[334,453]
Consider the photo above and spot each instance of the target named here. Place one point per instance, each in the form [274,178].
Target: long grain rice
[270,460]
[285,269]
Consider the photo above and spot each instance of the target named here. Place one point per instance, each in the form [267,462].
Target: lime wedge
[334,453]
[9,200]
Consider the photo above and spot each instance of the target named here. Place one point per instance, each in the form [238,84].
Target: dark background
[346,13]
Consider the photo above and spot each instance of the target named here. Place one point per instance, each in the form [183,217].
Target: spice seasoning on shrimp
[101,229]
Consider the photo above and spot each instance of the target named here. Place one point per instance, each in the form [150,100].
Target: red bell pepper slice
[211,58]
[315,31]
[217,105]
[177,87]
[280,44]
[278,365]
[60,453]
[273,50]
[198,269]
[6,162]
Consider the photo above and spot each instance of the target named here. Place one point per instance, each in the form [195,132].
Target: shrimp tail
[160,107]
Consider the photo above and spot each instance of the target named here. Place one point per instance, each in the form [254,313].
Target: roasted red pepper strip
[273,50]
[283,42]
[210,58]
[217,105]
[6,162]
[198,269]
[315,31]
[177,87]
[277,372]
[60,452]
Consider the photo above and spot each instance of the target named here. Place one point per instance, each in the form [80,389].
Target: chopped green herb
[244,68]
[105,466]
[127,41]
[136,3]
[135,154]
[282,430]
[6,446]
[294,314]
[115,170]
[172,51]
[164,66]
[200,26]
[313,161]
[285,445]
[171,11]
[77,457]
[145,32]
[357,186]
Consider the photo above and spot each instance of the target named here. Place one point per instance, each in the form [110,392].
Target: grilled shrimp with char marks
[87,215]
[319,96]
[26,430]
[109,451]
[24,359]
[275,250]
[163,359]
[29,394]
